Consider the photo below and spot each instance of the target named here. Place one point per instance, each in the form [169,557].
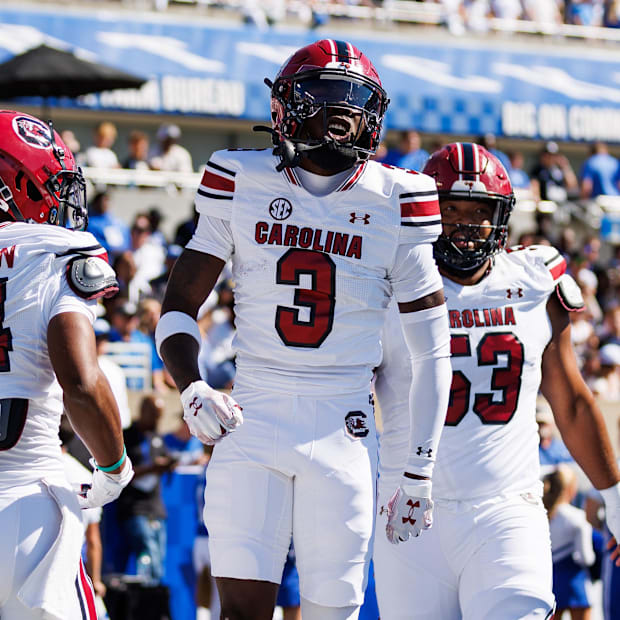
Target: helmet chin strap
[289,152]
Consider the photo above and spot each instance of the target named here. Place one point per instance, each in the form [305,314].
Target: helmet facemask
[468,172]
[68,189]
[466,260]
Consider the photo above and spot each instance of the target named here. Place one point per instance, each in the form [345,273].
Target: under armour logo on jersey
[517,293]
[422,451]
[354,217]
[412,506]
[196,405]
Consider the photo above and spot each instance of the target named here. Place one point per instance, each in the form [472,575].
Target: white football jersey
[33,289]
[499,329]
[314,274]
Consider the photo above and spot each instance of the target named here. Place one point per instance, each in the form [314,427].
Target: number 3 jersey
[499,330]
[33,289]
[314,274]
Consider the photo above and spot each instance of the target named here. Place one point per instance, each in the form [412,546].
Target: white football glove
[209,414]
[409,511]
[105,488]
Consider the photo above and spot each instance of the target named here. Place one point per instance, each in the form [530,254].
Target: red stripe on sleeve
[215,181]
[558,270]
[416,209]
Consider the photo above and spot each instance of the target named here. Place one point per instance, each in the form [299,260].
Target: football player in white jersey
[50,278]
[488,555]
[320,239]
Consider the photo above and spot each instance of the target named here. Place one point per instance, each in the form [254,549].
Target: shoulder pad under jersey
[553,260]
[91,277]
[569,293]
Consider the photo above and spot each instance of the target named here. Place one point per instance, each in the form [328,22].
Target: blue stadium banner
[205,67]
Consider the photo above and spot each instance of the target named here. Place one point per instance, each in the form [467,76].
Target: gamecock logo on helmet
[33,132]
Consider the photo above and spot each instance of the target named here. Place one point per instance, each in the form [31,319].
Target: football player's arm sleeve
[427,336]
[428,339]
[392,383]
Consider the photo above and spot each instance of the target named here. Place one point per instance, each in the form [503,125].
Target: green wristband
[115,465]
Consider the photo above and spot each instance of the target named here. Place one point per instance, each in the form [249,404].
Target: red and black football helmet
[39,179]
[466,171]
[328,74]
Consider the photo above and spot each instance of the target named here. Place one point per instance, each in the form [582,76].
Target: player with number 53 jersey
[320,239]
[488,555]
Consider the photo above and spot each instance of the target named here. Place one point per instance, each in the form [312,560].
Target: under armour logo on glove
[421,451]
[407,516]
[412,506]
[196,405]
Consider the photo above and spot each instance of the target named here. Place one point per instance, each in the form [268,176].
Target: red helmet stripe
[459,154]
[333,50]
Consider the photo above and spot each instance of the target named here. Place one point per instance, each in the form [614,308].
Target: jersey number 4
[320,298]
[505,379]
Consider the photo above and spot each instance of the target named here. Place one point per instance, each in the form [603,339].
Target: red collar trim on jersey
[353,178]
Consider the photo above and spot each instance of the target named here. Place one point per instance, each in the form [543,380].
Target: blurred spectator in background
[507,9]
[611,13]
[158,284]
[185,230]
[567,243]
[111,232]
[551,449]
[409,152]
[183,446]
[149,311]
[553,177]
[124,328]
[610,329]
[571,544]
[545,12]
[155,219]
[216,323]
[168,154]
[125,267]
[100,154]
[68,137]
[600,173]
[138,146]
[113,372]
[583,13]
[607,384]
[588,283]
[518,177]
[148,254]
[140,508]
[489,141]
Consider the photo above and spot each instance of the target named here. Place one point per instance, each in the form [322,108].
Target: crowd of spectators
[458,16]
